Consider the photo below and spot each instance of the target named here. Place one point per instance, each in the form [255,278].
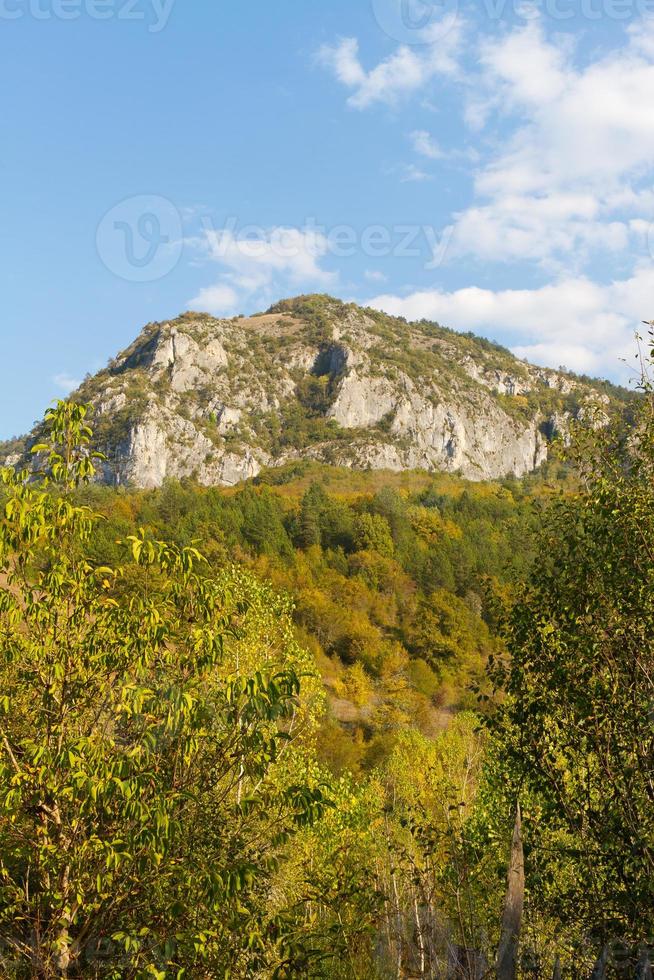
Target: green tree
[438,880]
[575,728]
[372,533]
[447,634]
[147,783]
[263,526]
[308,530]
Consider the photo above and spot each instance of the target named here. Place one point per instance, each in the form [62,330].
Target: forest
[328,723]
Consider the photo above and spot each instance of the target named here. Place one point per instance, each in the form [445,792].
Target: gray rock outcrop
[218,400]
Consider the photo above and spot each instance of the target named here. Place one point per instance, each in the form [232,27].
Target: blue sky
[487,164]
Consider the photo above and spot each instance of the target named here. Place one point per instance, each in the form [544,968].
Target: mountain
[218,400]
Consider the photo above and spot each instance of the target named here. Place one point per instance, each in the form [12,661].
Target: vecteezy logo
[416,21]
[140,239]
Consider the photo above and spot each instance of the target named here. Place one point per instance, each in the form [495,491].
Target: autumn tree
[148,787]
[574,731]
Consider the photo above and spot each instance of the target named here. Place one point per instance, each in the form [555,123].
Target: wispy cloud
[219,300]
[410,173]
[255,268]
[374,275]
[425,145]
[404,72]
[65,382]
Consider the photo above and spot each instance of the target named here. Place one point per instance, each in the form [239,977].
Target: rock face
[218,400]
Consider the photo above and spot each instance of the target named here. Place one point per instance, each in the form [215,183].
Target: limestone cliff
[218,400]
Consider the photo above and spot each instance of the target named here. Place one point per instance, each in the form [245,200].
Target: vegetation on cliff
[316,378]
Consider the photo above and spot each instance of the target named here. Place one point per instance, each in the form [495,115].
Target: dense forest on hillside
[390,577]
[309,726]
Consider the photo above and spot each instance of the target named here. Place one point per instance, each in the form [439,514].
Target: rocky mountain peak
[219,399]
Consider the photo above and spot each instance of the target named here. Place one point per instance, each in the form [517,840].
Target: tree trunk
[398,925]
[419,936]
[507,953]
[644,969]
[599,971]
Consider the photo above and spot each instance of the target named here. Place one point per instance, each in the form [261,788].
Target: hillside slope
[218,400]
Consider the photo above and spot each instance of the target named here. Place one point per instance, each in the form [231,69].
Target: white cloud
[582,138]
[411,173]
[425,145]
[545,228]
[219,300]
[404,72]
[573,138]
[254,260]
[255,266]
[594,123]
[583,324]
[529,70]
[343,59]
[565,155]
[374,275]
[66,383]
